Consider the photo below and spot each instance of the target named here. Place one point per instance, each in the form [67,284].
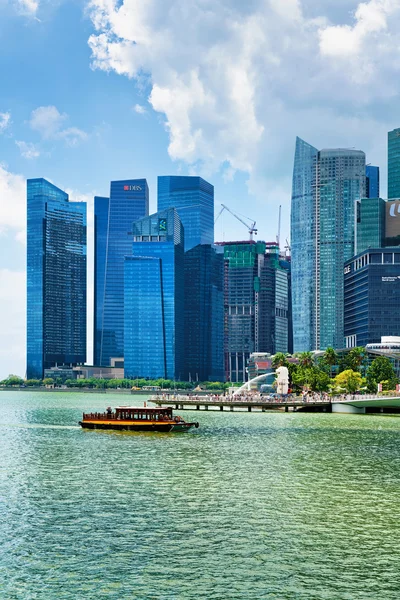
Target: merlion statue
[282,380]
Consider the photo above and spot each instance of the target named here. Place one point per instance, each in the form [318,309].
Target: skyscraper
[56,278]
[101,208]
[129,201]
[394,163]
[303,245]
[370,224]
[193,198]
[154,298]
[372,182]
[273,304]
[326,184]
[204,314]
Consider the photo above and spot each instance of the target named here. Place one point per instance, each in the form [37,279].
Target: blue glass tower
[372,182]
[204,314]
[193,198]
[56,278]
[394,164]
[101,208]
[326,185]
[303,246]
[129,201]
[154,298]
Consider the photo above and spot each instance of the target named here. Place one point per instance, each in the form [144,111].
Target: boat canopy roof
[142,409]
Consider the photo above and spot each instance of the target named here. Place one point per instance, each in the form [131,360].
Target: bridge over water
[346,404]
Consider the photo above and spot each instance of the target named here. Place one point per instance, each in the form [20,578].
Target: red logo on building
[126,188]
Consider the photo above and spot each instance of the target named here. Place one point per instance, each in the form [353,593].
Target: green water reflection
[260,505]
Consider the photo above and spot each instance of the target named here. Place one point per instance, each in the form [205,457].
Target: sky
[102,90]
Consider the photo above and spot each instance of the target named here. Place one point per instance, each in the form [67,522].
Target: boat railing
[100,416]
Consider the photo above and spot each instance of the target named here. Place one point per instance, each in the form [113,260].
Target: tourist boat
[133,418]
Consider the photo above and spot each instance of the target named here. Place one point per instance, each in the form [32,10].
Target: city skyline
[199,111]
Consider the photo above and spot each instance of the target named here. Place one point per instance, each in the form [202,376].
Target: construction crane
[251,228]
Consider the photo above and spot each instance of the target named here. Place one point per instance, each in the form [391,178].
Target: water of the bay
[250,505]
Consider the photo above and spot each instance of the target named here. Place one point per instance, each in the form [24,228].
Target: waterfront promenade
[348,403]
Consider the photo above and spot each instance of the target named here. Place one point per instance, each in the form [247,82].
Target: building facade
[370,224]
[326,185]
[303,245]
[128,202]
[101,208]
[154,298]
[56,278]
[371,182]
[193,198]
[371,296]
[204,314]
[394,163]
[273,303]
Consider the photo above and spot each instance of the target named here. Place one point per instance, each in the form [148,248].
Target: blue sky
[137,88]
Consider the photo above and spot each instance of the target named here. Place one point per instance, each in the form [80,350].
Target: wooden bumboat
[133,418]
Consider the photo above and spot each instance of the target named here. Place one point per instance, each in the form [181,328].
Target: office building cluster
[345,248]
[168,302]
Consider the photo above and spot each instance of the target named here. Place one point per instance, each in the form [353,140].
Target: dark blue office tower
[372,182]
[101,208]
[154,298]
[193,198]
[56,278]
[204,314]
[129,201]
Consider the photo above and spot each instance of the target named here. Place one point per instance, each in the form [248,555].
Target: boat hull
[159,427]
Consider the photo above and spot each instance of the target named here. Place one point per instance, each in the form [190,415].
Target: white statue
[282,380]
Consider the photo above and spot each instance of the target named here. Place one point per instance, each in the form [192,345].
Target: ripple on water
[282,506]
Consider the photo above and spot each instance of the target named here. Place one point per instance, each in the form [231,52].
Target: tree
[331,358]
[48,381]
[350,380]
[279,360]
[13,380]
[312,378]
[305,359]
[381,370]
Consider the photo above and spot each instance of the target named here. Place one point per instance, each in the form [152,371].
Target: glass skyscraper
[394,163]
[370,224]
[101,208]
[193,198]
[56,278]
[154,298]
[204,314]
[326,185]
[303,245]
[273,304]
[372,296]
[372,182]
[128,202]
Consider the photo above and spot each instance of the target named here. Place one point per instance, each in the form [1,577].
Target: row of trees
[331,373]
[94,382]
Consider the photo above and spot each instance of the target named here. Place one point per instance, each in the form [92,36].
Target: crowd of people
[245,396]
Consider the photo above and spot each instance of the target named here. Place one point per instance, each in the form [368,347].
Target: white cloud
[236,81]
[139,109]
[49,122]
[28,7]
[5,121]
[13,203]
[27,149]
[12,322]
[371,18]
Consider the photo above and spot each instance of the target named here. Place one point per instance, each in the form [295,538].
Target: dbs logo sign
[132,188]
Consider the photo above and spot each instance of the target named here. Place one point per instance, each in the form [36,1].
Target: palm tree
[331,358]
[279,360]
[306,359]
[357,356]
